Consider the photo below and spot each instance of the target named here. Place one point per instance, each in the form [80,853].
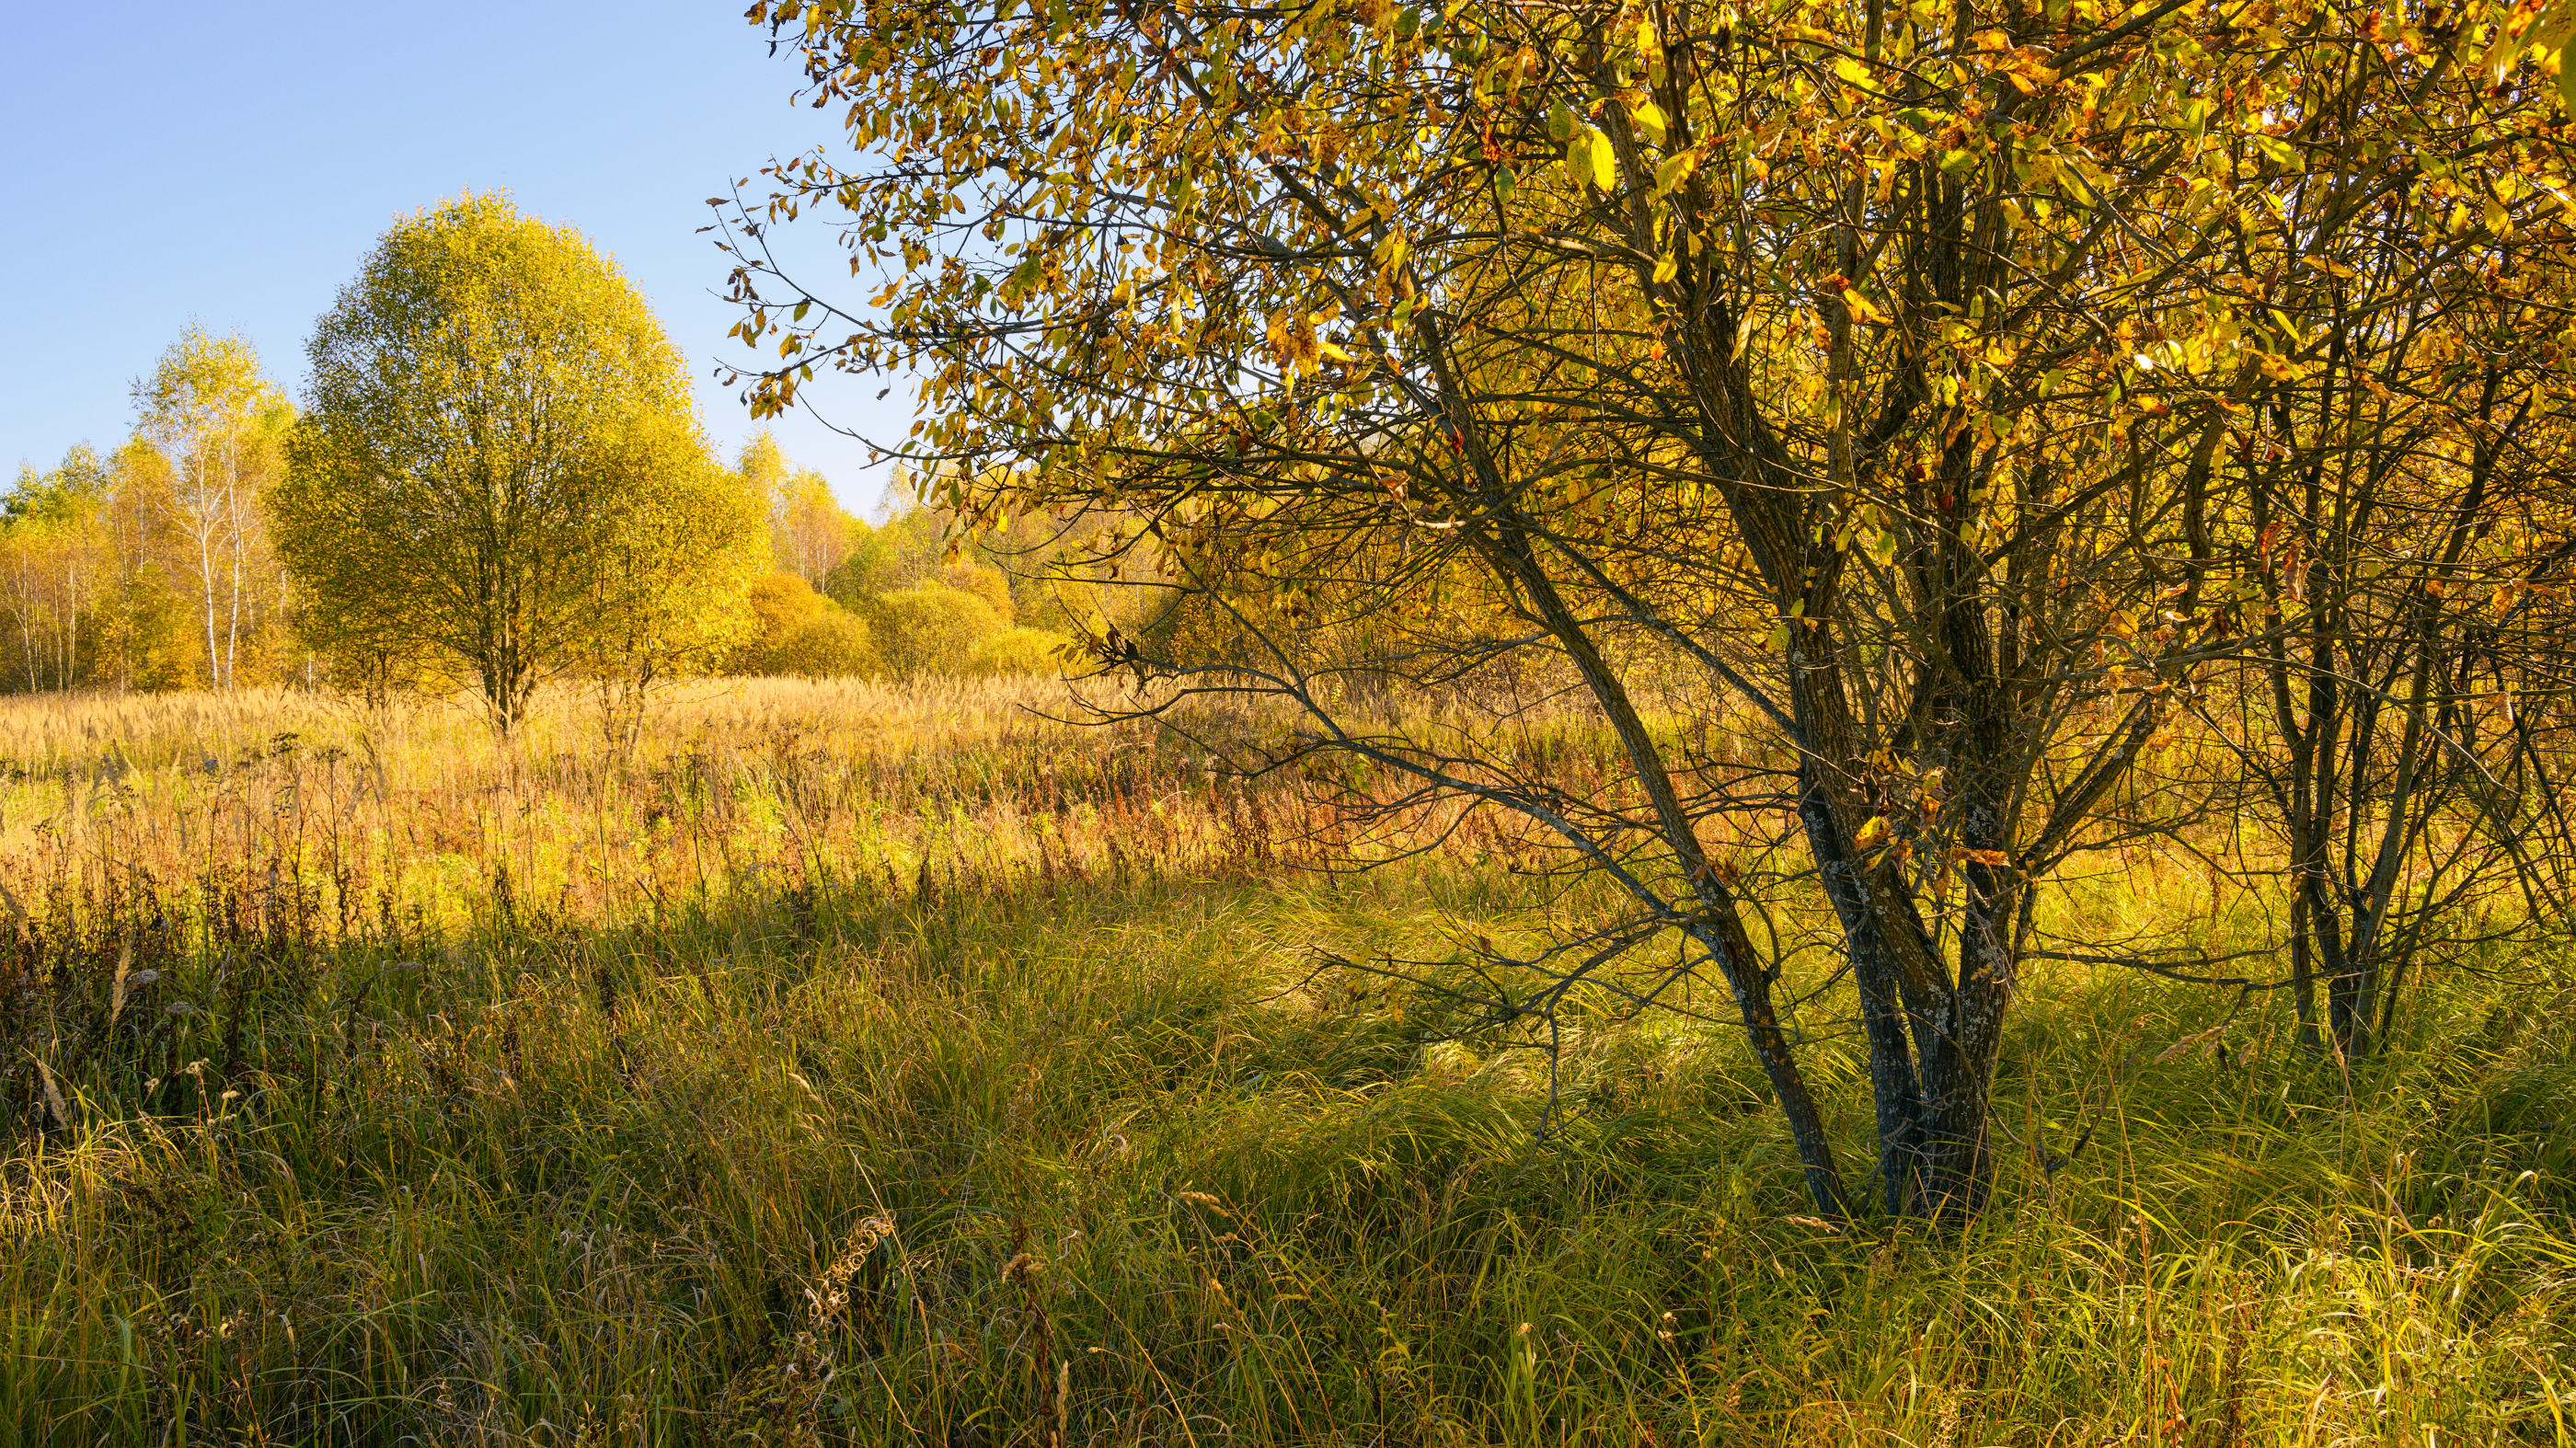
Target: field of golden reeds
[845,1064]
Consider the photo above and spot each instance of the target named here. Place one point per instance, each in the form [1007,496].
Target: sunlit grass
[853,1066]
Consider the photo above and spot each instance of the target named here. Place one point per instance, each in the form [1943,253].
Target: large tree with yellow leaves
[1924,380]
[499,462]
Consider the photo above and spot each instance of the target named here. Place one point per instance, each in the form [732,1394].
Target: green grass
[1040,1159]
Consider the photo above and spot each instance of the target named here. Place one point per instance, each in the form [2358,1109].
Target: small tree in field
[499,462]
[1918,386]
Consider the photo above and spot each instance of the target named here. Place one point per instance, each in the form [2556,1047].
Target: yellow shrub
[1017,651]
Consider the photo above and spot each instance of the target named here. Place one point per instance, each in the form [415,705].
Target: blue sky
[229,163]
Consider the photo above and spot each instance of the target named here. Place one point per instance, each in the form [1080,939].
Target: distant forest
[152,567]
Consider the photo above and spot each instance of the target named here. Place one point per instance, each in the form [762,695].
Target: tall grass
[855,1066]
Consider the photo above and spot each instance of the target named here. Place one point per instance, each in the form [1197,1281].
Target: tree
[142,629]
[52,556]
[220,423]
[91,566]
[499,459]
[810,534]
[2408,498]
[1881,371]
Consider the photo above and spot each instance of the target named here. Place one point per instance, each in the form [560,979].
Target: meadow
[853,1064]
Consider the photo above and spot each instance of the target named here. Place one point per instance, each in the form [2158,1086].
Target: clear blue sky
[229,163]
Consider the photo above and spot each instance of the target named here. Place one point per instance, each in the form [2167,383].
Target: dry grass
[861,1066]
[739,785]
[312,815]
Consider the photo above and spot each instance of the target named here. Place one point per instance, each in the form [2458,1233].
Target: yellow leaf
[1872,834]
[1666,268]
[2028,77]
[2502,56]
[1864,310]
[1855,71]
[1650,120]
[1604,163]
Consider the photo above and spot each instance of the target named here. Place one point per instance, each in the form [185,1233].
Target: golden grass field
[861,1065]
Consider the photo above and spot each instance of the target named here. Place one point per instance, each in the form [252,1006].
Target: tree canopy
[499,463]
[1957,392]
[220,422]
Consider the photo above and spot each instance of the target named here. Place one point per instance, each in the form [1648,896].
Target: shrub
[985,582]
[1018,651]
[781,604]
[830,645]
[931,629]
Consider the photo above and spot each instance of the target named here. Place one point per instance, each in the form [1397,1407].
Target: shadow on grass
[1074,1161]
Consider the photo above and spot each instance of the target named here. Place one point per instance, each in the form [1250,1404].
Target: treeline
[150,567]
[153,568]
[899,599]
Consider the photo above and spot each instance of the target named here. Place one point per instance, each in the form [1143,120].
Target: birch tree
[53,559]
[221,424]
